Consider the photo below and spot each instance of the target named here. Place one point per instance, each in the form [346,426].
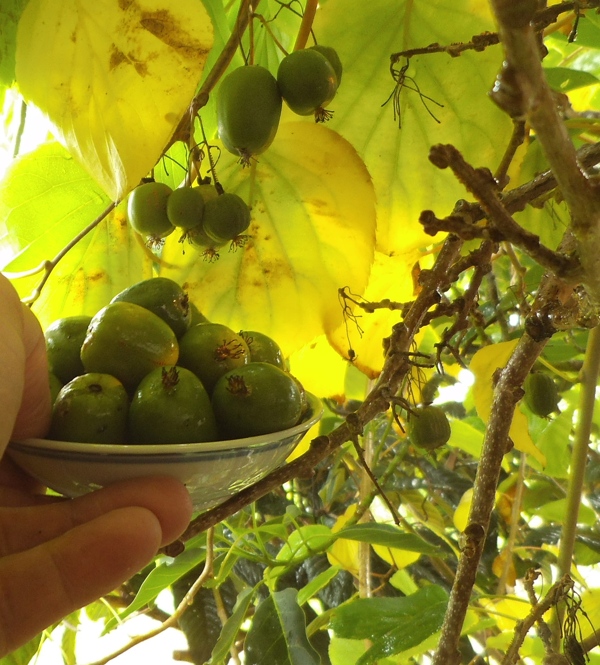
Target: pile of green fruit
[148,368]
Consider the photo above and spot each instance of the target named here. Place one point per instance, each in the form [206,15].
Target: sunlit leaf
[114,77]
[507,610]
[307,365]
[343,552]
[312,232]
[555,511]
[461,514]
[466,437]
[362,331]
[484,364]
[9,20]
[46,198]
[365,34]
[499,564]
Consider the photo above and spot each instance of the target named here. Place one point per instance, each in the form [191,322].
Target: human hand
[57,555]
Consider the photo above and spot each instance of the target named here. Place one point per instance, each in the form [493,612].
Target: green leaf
[317,583]
[278,633]
[114,77]
[69,638]
[554,441]
[388,536]
[163,576]
[365,34]
[466,437]
[312,232]
[46,198]
[564,79]
[220,653]
[304,542]
[392,624]
[9,21]
[24,654]
[555,511]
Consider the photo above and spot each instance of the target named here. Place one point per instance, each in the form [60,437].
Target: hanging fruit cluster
[250,98]
[148,369]
[248,104]
[207,218]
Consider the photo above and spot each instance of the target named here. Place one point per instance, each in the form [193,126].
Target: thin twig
[172,621]
[48,266]
[555,594]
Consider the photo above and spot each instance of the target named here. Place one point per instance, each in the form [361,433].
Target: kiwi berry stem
[306,26]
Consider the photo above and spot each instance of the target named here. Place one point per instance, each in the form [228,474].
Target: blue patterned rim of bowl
[176,452]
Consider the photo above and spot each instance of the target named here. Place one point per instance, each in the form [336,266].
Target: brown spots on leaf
[96,276]
[125,4]
[165,27]
[117,58]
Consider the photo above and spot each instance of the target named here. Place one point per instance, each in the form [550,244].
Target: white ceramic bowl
[212,471]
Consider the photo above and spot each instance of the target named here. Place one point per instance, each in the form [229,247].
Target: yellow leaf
[312,232]
[114,77]
[461,514]
[498,568]
[319,368]
[395,557]
[484,364]
[344,552]
[507,610]
[391,278]
[304,444]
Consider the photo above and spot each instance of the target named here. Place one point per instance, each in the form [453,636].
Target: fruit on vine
[541,394]
[263,349]
[163,297]
[128,341]
[307,82]
[147,210]
[429,427]
[170,405]
[92,408]
[334,59]
[210,350]
[64,338]
[185,207]
[255,399]
[248,111]
[225,218]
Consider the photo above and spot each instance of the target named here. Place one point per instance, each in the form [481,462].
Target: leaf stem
[306,26]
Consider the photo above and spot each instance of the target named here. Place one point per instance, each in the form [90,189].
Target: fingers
[26,527]
[44,584]
[33,418]
[24,390]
